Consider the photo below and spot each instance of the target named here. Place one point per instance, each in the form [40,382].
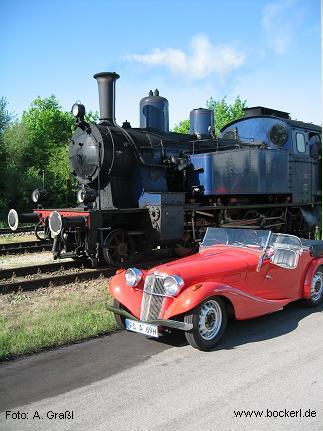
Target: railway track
[54,274]
[7,230]
[24,247]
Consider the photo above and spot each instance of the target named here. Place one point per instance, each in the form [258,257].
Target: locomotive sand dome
[154,112]
[139,188]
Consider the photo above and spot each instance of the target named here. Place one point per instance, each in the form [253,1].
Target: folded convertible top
[315,246]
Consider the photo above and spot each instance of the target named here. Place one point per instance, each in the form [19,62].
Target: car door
[282,274]
[280,282]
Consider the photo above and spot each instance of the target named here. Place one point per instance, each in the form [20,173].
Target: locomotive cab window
[300,143]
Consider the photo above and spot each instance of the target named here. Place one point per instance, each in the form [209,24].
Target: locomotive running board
[183,326]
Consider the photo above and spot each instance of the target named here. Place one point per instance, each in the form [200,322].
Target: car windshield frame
[253,239]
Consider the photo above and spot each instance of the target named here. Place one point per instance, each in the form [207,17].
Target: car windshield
[257,239]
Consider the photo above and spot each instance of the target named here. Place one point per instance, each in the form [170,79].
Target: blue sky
[268,52]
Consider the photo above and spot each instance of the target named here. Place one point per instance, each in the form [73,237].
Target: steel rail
[7,230]
[24,247]
[10,285]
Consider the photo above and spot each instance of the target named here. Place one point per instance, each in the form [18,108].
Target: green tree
[182,127]
[5,115]
[62,183]
[5,118]
[223,114]
[49,127]
[18,180]
[92,117]
[49,131]
[37,143]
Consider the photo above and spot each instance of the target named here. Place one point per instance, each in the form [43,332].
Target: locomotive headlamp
[172,284]
[133,277]
[38,195]
[78,110]
[55,223]
[80,196]
[86,195]
[13,219]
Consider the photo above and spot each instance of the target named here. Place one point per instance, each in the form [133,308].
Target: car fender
[309,275]
[129,297]
[245,306]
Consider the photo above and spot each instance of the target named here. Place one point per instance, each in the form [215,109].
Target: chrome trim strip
[238,292]
[158,294]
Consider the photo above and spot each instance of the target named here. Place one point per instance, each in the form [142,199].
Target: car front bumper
[183,326]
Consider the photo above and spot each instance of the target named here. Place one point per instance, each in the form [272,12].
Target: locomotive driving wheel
[118,248]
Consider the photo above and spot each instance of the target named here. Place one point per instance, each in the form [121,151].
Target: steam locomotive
[147,187]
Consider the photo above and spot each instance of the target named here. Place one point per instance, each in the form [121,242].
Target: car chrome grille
[153,297]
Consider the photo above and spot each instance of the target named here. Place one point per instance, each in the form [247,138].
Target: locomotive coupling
[14,219]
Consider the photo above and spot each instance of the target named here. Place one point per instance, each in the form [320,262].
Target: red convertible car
[240,272]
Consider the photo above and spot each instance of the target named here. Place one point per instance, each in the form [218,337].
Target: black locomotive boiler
[142,188]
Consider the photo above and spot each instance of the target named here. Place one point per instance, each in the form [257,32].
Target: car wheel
[316,289]
[209,321]
[119,319]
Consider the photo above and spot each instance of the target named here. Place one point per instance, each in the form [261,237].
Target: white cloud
[203,59]
[279,20]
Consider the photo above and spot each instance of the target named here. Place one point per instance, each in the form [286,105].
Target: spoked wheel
[316,289]
[209,321]
[118,248]
[42,232]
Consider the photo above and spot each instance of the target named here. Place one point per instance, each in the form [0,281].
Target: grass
[32,321]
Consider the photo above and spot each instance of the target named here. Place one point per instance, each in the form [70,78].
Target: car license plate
[142,328]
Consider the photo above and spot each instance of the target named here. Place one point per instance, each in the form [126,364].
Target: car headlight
[133,277]
[172,284]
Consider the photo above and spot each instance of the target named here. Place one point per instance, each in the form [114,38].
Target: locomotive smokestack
[107,91]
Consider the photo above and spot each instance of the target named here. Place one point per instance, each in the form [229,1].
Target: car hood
[212,264]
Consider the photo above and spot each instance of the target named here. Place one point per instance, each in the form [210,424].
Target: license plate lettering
[142,328]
